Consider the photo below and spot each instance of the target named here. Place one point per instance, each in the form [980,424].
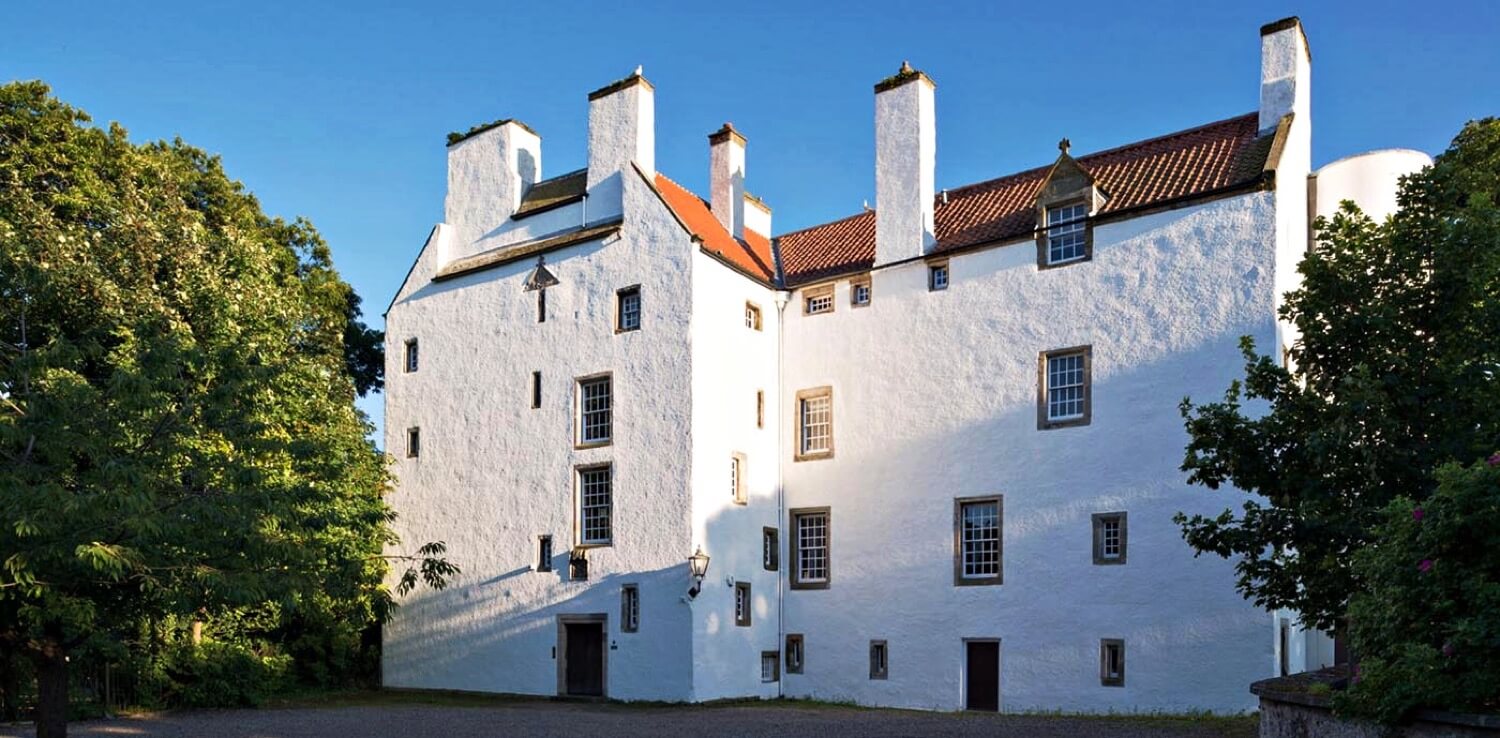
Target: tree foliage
[1394,376]
[177,376]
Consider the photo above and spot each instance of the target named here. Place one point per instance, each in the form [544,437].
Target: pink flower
[1416,514]
[1449,650]
[1425,565]
[1494,460]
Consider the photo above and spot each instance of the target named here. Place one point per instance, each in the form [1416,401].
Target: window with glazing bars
[1066,239]
[411,355]
[594,398]
[770,666]
[737,487]
[794,653]
[1065,384]
[770,549]
[979,534]
[817,300]
[752,316]
[812,547]
[743,605]
[630,608]
[937,277]
[815,411]
[595,505]
[628,309]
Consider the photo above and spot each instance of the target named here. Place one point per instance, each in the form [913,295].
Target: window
[1109,538]
[859,291]
[794,653]
[536,390]
[810,555]
[737,486]
[541,306]
[628,309]
[411,355]
[1112,662]
[578,565]
[1067,234]
[595,505]
[814,423]
[937,276]
[978,547]
[770,549]
[594,400]
[817,300]
[1064,393]
[770,666]
[743,604]
[413,442]
[760,408]
[752,316]
[630,608]
[879,661]
[544,553]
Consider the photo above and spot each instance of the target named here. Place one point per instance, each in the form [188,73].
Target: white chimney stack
[726,178]
[905,166]
[1285,73]
[622,130]
[489,170]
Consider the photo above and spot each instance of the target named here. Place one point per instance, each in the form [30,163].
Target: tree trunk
[52,691]
[197,633]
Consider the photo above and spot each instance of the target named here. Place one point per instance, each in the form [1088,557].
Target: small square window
[630,608]
[794,653]
[1112,662]
[544,553]
[737,487]
[770,549]
[1109,538]
[411,355]
[770,666]
[413,443]
[752,316]
[879,660]
[628,309]
[1064,392]
[817,300]
[743,604]
[937,276]
[859,291]
[595,405]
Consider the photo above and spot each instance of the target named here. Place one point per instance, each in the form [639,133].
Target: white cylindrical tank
[1369,179]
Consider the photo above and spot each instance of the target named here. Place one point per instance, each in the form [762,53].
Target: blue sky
[337,111]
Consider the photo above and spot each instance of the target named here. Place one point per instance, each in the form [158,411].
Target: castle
[923,456]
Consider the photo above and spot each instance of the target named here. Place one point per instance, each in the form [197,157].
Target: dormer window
[1067,235]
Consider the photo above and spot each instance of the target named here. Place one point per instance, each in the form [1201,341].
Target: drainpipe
[781,300]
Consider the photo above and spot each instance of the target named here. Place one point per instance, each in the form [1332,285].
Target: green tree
[177,377]
[1395,375]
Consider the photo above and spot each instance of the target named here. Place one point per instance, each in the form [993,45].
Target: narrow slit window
[743,604]
[770,549]
[541,306]
[879,660]
[544,553]
[630,608]
[1112,662]
[760,408]
[794,653]
[536,390]
[411,355]
[595,404]
[737,484]
[628,309]
[752,316]
[413,443]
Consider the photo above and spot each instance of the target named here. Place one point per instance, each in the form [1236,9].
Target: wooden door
[982,676]
[585,659]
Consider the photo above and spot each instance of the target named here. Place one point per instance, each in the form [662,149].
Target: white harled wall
[935,397]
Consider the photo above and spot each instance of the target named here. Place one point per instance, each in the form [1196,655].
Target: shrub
[1425,624]
[215,674]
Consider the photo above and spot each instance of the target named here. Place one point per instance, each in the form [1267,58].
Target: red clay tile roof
[752,254]
[1197,161]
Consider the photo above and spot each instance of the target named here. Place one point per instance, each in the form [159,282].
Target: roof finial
[906,67]
[1064,145]
[638,70]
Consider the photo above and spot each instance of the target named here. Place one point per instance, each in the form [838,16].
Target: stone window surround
[959,580]
[1042,261]
[411,358]
[630,608]
[1098,520]
[578,470]
[413,442]
[578,382]
[760,408]
[793,580]
[620,296]
[770,543]
[795,644]
[855,283]
[880,659]
[773,658]
[933,267]
[815,292]
[752,315]
[743,616]
[1105,680]
[1042,421]
[741,489]
[544,552]
[805,394]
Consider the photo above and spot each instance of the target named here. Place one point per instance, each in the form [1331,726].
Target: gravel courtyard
[417,718]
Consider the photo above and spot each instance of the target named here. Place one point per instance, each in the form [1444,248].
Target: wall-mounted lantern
[698,563]
[578,564]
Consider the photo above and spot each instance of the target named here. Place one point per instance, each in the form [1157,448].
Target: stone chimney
[726,178]
[905,165]
[1285,73]
[622,130]
[489,170]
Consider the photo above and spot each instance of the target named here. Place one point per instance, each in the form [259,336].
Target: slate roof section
[564,189]
[1203,161]
[751,255]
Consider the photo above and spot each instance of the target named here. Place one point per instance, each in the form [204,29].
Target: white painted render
[1370,180]
[934,398]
